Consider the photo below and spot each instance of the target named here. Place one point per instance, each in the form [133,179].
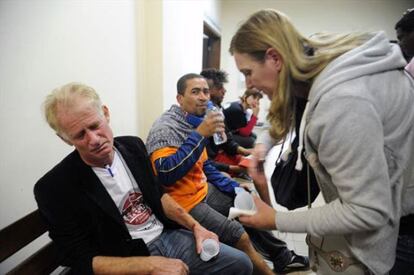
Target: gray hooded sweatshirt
[358,132]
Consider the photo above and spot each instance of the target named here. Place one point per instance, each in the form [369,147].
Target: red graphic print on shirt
[134,211]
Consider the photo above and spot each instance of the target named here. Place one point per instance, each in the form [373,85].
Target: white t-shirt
[124,190]
[249,114]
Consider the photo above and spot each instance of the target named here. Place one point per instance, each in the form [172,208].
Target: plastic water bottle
[218,137]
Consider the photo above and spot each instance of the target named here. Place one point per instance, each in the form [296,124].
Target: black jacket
[82,218]
[235,116]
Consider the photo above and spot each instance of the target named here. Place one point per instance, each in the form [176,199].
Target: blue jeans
[212,214]
[180,244]
[404,262]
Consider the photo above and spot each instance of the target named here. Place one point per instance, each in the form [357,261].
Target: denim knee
[244,266]
[235,261]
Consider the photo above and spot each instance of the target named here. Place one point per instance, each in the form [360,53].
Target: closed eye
[79,135]
[95,126]
[246,72]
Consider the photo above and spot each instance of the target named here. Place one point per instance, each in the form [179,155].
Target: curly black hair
[218,77]
[406,23]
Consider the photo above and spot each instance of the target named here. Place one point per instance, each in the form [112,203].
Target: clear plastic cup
[210,249]
[244,201]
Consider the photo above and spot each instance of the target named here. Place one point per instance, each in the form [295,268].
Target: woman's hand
[256,169]
[264,217]
[256,172]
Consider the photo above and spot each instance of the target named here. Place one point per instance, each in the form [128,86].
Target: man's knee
[244,265]
[234,261]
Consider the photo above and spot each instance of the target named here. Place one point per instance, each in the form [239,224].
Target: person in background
[357,131]
[404,263]
[227,156]
[241,116]
[105,209]
[405,35]
[177,147]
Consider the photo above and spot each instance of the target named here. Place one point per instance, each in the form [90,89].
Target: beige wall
[45,44]
[149,62]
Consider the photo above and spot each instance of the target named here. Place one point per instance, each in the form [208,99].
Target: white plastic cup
[244,201]
[210,249]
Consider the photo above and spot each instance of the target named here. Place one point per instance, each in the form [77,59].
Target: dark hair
[182,82]
[406,23]
[252,92]
[218,77]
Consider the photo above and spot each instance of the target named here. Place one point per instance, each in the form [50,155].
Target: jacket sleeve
[230,146]
[172,164]
[65,230]
[350,147]
[247,130]
[212,151]
[215,177]
[220,166]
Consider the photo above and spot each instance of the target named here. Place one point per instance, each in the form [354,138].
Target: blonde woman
[357,131]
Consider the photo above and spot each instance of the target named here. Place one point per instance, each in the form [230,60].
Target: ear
[274,58]
[64,139]
[105,110]
[179,98]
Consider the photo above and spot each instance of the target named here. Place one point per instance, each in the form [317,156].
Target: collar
[194,120]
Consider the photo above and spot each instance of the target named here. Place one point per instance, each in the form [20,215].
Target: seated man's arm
[215,177]
[230,146]
[82,253]
[138,265]
[176,213]
[172,164]
[243,151]
[223,167]
[66,229]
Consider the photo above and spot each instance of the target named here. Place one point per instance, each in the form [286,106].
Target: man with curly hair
[404,263]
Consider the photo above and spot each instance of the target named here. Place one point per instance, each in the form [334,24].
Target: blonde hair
[67,96]
[303,58]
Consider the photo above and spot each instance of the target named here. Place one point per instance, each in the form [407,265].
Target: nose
[249,84]
[93,138]
[204,96]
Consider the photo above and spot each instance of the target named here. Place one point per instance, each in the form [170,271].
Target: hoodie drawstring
[299,163]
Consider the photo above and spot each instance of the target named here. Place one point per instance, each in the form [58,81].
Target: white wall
[183,43]
[44,44]
[114,46]
[183,40]
[309,16]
